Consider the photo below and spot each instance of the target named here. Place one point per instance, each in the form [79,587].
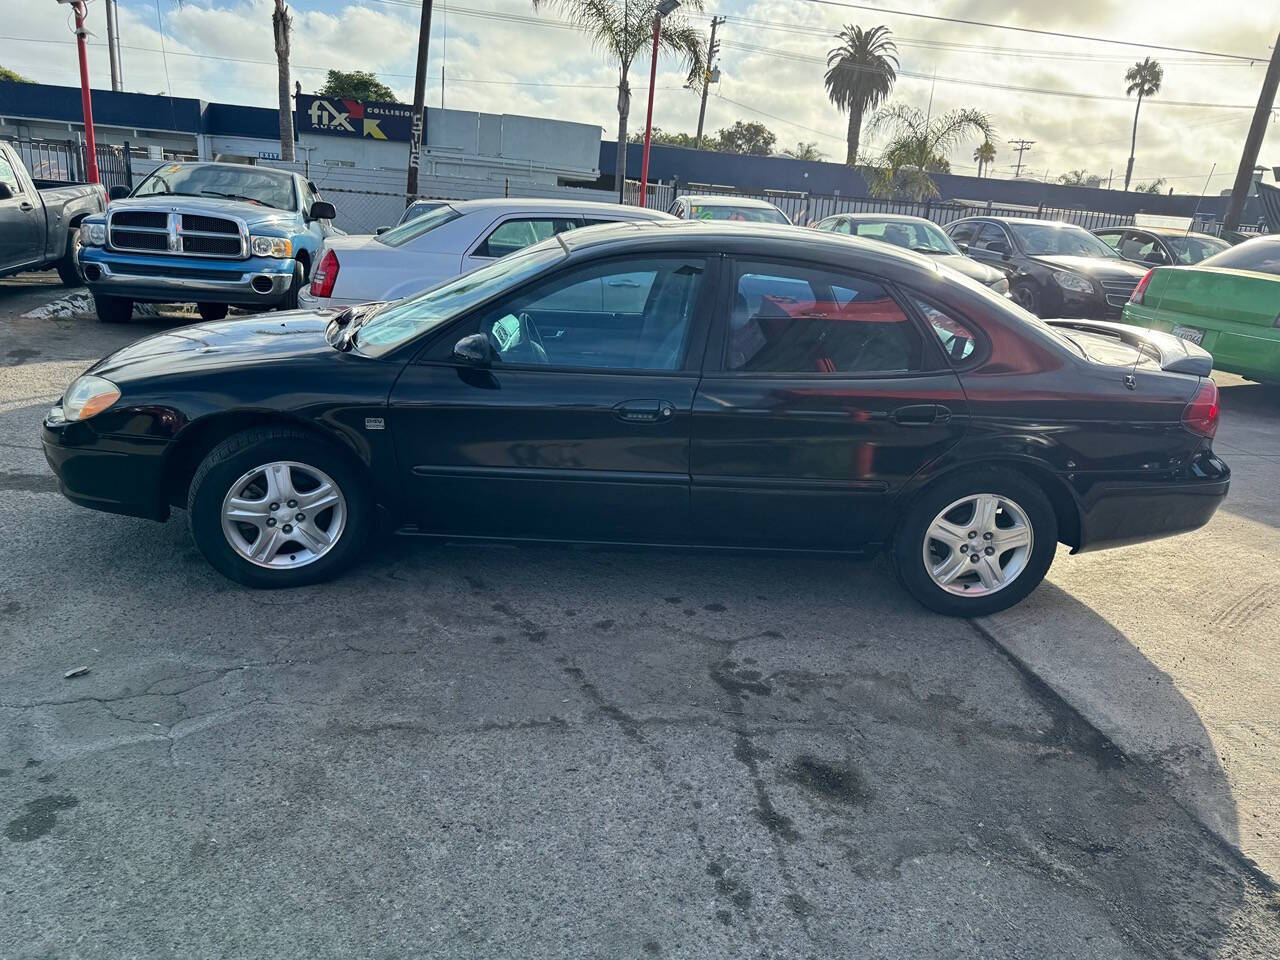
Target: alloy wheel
[978,545]
[283,515]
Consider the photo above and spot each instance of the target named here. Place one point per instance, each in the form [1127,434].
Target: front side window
[512,235]
[801,321]
[8,177]
[1141,246]
[257,185]
[963,232]
[632,314]
[992,238]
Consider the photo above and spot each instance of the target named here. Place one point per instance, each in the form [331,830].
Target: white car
[442,243]
[715,206]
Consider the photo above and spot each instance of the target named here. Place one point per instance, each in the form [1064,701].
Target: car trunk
[1235,296]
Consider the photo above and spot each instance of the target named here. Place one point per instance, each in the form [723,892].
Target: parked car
[1156,246]
[918,234]
[447,241]
[219,234]
[1228,304]
[766,388]
[40,219]
[415,210]
[1055,269]
[720,207]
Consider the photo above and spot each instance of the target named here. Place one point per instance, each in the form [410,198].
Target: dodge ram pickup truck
[40,219]
[216,234]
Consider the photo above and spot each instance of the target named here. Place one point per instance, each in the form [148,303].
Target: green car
[1229,304]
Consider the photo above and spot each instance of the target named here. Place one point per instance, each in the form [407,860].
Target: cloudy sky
[501,56]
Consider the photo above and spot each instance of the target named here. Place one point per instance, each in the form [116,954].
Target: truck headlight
[87,397]
[1001,286]
[1072,281]
[271,247]
[93,234]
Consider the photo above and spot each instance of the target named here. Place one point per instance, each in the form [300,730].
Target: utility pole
[80,10]
[1022,146]
[113,43]
[419,103]
[1253,142]
[712,49]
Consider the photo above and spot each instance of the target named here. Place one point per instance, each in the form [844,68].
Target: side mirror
[380,231]
[473,350]
[1005,254]
[964,248]
[117,192]
[322,210]
[5,192]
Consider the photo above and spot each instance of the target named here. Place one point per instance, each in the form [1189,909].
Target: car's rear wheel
[113,309]
[276,507]
[210,312]
[69,266]
[977,543]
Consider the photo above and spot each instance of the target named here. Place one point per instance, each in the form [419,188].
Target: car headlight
[271,246]
[1001,285]
[1072,281]
[88,397]
[93,234]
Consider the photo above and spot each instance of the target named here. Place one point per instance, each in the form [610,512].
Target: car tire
[940,572]
[239,466]
[290,301]
[113,309]
[1026,296]
[69,266]
[212,312]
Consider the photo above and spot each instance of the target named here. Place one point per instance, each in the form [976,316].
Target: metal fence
[67,160]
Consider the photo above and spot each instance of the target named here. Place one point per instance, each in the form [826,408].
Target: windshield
[1261,255]
[1194,249]
[1044,239]
[703,211]
[398,236]
[921,236]
[401,321]
[268,188]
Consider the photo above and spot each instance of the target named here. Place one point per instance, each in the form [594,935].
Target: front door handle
[26,206]
[644,411]
[921,415]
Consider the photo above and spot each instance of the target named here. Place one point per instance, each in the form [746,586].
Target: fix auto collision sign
[353,118]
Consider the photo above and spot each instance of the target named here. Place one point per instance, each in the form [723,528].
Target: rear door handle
[921,415]
[644,411]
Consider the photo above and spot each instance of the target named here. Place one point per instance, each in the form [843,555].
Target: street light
[664,8]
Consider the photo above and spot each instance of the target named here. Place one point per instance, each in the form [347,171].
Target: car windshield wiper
[239,196]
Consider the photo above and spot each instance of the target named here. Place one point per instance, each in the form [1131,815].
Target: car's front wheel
[276,507]
[112,309]
[210,312]
[1026,296]
[977,543]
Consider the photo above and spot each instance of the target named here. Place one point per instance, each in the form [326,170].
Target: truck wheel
[113,309]
[210,312]
[69,266]
[290,301]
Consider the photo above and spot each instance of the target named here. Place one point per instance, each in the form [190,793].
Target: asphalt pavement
[484,751]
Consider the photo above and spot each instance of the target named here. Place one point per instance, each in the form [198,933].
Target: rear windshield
[398,236]
[703,211]
[1261,254]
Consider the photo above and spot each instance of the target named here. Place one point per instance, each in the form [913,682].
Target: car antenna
[1131,380]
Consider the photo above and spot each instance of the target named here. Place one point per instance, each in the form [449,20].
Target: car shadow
[1249,440]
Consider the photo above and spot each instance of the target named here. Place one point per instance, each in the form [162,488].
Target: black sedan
[918,234]
[681,384]
[1055,269]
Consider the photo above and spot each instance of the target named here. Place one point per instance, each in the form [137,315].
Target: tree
[917,145]
[9,76]
[1144,79]
[281,25]
[621,29]
[804,151]
[356,85]
[746,136]
[984,153]
[1076,178]
[665,138]
[860,74]
[1155,186]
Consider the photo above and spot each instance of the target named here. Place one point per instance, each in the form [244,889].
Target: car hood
[969,267]
[1102,268]
[267,338]
[253,214]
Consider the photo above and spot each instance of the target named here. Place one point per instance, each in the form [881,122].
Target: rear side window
[798,320]
[512,235]
[957,338]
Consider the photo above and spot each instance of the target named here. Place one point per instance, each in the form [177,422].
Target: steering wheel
[534,336]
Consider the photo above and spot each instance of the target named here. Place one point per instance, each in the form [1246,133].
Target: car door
[823,394]
[578,428]
[21,220]
[514,233]
[992,245]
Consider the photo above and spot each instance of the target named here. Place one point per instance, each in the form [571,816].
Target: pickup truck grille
[178,234]
[1118,291]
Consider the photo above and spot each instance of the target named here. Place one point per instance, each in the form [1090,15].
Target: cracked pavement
[483,751]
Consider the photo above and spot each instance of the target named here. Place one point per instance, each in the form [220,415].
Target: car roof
[228,166]
[881,217]
[1006,221]
[535,204]
[723,200]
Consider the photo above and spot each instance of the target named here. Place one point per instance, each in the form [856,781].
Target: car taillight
[1201,414]
[1141,289]
[326,275]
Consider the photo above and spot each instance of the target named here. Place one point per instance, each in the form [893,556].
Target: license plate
[1189,333]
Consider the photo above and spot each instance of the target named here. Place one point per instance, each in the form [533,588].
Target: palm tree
[860,74]
[621,29]
[984,153]
[804,151]
[1144,79]
[281,25]
[918,144]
